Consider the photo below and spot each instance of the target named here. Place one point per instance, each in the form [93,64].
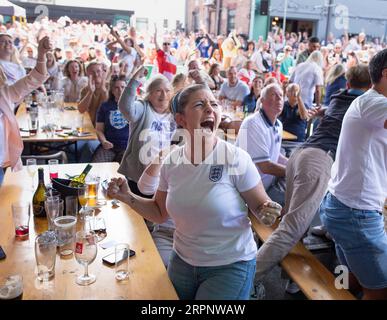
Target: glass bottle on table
[39,196]
[80,180]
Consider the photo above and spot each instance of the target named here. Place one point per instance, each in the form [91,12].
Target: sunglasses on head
[166,44]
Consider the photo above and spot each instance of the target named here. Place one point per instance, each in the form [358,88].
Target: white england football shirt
[204,201]
[262,141]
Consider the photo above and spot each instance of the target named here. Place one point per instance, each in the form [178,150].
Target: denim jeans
[1,176]
[228,282]
[360,239]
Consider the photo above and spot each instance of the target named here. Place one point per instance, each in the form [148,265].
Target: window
[195,21]
[142,24]
[230,20]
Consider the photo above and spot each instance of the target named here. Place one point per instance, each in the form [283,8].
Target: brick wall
[207,15]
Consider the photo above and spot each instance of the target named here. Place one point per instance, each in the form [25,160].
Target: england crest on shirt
[216,173]
[117,120]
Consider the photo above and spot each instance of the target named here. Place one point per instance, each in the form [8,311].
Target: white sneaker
[319,231]
[292,287]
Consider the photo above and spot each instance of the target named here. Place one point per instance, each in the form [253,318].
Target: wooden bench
[314,280]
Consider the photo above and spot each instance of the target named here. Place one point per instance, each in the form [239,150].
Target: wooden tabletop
[67,119]
[148,278]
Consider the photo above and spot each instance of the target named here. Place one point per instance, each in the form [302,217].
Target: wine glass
[85,253]
[83,196]
[31,169]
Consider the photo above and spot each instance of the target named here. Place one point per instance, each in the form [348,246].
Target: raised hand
[114,33]
[44,46]
[139,73]
[118,189]
[268,212]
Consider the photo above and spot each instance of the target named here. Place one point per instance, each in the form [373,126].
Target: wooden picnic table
[148,277]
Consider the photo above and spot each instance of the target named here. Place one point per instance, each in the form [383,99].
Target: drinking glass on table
[83,197]
[11,287]
[21,212]
[33,123]
[31,169]
[96,225]
[52,206]
[122,253]
[85,254]
[79,124]
[53,165]
[45,255]
[71,206]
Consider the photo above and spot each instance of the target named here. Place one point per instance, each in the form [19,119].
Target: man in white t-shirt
[261,136]
[352,209]
[233,90]
[309,76]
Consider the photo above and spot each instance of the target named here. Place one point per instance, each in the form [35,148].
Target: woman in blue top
[112,128]
[335,82]
[250,100]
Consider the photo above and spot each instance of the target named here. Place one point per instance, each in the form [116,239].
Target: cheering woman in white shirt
[206,187]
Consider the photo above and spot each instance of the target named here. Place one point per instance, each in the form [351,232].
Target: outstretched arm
[151,209]
[124,46]
[155,39]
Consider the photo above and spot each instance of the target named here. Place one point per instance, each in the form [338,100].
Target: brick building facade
[218,16]
[317,17]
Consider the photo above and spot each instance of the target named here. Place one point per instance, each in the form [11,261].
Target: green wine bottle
[39,196]
[80,180]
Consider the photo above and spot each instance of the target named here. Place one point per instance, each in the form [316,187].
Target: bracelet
[40,61]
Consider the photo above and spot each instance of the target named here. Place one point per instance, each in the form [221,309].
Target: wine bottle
[80,180]
[39,196]
[246,111]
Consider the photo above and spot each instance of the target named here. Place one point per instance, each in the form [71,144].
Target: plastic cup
[65,229]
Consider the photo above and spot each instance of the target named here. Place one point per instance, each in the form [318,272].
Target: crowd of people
[146,93]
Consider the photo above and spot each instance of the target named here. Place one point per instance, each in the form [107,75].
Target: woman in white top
[11,144]
[206,187]
[74,82]
[53,69]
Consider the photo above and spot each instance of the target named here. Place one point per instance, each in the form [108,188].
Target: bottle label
[79,248]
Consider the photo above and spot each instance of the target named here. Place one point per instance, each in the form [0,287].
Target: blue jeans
[1,176]
[86,150]
[360,239]
[228,282]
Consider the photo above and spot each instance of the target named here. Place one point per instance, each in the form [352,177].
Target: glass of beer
[92,183]
[83,196]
